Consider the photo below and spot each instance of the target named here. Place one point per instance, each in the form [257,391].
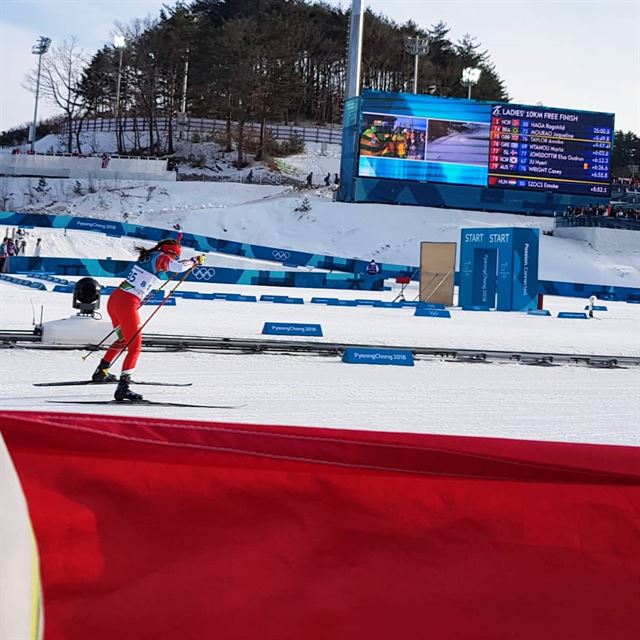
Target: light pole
[470,77]
[355,49]
[185,80]
[39,49]
[417,46]
[119,42]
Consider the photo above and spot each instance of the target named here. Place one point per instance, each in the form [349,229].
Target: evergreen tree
[265,60]
[626,154]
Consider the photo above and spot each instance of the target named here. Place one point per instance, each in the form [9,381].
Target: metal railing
[608,222]
[185,128]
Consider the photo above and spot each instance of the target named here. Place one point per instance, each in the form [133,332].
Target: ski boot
[123,393]
[101,374]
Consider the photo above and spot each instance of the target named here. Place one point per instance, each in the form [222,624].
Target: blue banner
[206,274]
[205,243]
[330,263]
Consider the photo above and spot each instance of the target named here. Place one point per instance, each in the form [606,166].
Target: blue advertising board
[291,329]
[371,355]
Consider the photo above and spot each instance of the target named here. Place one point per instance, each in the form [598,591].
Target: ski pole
[151,295]
[146,322]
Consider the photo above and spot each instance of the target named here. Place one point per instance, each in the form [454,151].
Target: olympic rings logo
[204,273]
[280,255]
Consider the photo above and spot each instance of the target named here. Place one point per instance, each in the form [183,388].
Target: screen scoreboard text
[550,149]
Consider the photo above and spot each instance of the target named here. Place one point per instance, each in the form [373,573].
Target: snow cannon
[87,327]
[86,296]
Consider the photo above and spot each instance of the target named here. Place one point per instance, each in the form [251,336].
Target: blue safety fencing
[119,268]
[579,290]
[281,299]
[207,244]
[432,313]
[23,283]
[46,276]
[350,266]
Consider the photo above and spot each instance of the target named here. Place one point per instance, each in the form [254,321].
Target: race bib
[140,282]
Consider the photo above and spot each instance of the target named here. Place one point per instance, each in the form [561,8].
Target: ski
[75,383]
[153,403]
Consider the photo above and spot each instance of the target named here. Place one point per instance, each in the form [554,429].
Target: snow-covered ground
[267,215]
[507,400]
[209,159]
[511,400]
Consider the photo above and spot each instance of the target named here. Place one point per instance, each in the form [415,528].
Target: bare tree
[61,82]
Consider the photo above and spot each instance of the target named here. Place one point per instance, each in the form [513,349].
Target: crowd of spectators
[626,184]
[610,211]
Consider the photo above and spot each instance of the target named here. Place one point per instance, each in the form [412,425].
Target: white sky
[564,53]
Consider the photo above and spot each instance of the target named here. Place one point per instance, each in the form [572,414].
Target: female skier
[146,274]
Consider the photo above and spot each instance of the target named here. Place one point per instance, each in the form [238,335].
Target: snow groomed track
[165,342]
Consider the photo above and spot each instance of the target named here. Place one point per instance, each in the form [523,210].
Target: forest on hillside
[251,60]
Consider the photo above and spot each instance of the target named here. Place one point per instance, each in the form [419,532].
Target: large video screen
[490,145]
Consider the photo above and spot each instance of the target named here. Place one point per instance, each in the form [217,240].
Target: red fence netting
[152,528]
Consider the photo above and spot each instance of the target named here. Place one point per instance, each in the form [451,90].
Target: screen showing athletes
[466,142]
[429,149]
[393,137]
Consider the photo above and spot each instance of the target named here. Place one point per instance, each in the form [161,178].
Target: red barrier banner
[154,529]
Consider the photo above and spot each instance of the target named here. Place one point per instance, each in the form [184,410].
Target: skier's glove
[198,260]
[177,227]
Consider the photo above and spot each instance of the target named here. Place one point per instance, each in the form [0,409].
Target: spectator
[602,210]
[12,250]
[38,248]
[327,180]
[250,177]
[592,304]
[106,158]
[336,179]
[310,180]
[373,268]
[3,255]
[23,247]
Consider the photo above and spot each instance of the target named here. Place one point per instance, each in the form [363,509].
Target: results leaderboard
[550,150]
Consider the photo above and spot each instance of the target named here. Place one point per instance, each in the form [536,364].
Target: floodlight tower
[39,49]
[470,77]
[417,46]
